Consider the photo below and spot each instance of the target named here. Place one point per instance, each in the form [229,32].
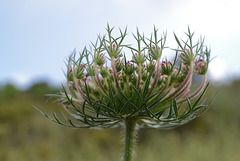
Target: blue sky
[37,35]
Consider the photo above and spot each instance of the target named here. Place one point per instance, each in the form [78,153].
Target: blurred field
[25,135]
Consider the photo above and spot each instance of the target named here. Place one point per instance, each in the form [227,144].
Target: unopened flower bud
[166,68]
[100,59]
[201,67]
[104,72]
[186,56]
[151,66]
[129,68]
[70,75]
[118,65]
[79,71]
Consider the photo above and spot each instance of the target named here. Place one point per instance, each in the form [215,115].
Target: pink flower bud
[175,71]
[188,51]
[108,47]
[67,107]
[114,46]
[153,47]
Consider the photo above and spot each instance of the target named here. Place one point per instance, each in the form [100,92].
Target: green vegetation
[25,135]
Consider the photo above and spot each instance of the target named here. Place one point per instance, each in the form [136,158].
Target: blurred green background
[25,135]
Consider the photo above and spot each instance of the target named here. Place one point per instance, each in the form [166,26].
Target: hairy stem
[68,88]
[139,75]
[77,85]
[182,87]
[156,76]
[115,73]
[127,83]
[200,88]
[130,126]
[98,79]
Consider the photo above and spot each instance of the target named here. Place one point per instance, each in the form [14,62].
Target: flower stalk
[130,130]
[114,73]
[139,75]
[156,76]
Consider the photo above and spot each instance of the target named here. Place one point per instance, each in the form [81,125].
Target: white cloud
[217,69]
[213,17]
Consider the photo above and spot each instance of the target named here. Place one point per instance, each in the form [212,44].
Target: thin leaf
[175,107]
[199,98]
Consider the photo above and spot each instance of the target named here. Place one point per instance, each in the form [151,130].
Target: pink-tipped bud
[114,46]
[188,51]
[201,67]
[67,107]
[175,71]
[166,67]
[153,47]
[108,47]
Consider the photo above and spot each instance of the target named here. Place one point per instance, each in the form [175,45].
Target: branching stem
[156,76]
[139,75]
[115,73]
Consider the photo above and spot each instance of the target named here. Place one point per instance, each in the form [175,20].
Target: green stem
[115,73]
[130,125]
[156,76]
[127,87]
[139,75]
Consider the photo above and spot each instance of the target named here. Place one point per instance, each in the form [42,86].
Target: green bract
[104,88]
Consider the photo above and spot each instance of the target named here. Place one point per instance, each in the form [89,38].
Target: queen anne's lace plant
[105,90]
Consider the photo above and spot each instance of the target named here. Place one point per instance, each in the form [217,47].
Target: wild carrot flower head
[103,88]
